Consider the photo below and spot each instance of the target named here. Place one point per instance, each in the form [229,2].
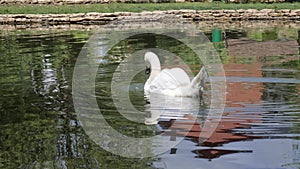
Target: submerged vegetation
[137,7]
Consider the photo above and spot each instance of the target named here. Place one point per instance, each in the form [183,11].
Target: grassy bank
[130,7]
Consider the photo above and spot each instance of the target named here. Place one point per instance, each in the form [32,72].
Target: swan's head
[152,62]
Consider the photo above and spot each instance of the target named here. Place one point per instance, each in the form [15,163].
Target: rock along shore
[191,15]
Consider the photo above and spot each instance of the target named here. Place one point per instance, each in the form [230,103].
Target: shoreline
[95,18]
[129,25]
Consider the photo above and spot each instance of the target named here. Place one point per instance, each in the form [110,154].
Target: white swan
[171,82]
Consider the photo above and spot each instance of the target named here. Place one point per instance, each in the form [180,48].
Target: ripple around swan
[258,80]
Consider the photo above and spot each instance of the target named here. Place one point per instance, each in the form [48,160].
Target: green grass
[136,7]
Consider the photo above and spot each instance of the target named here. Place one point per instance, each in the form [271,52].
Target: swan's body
[172,82]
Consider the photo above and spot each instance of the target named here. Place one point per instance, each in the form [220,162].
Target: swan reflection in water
[171,93]
[165,108]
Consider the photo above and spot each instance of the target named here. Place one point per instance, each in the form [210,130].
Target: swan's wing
[180,76]
[170,79]
[199,79]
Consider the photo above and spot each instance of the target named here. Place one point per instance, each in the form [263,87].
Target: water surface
[259,127]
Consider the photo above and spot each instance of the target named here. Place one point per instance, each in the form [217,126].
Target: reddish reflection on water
[262,101]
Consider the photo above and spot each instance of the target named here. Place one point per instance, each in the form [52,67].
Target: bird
[173,82]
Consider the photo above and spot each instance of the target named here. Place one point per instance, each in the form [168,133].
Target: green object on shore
[217,39]
[216,35]
[138,7]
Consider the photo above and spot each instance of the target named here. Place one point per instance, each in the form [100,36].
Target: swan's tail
[199,80]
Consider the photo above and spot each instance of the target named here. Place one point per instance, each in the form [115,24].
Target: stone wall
[205,26]
[61,2]
[241,14]
[192,15]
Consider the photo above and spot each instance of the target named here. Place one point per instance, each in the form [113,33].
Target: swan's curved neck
[154,62]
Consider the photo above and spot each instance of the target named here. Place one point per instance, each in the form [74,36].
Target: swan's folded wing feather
[170,79]
[199,79]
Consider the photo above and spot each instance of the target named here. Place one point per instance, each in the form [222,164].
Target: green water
[39,127]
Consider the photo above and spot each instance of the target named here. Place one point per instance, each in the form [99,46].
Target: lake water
[259,128]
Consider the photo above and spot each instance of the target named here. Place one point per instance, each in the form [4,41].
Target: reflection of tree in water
[285,97]
[38,123]
[167,43]
[40,87]
[298,40]
[284,92]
